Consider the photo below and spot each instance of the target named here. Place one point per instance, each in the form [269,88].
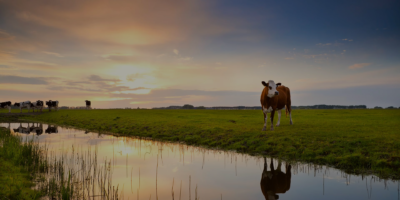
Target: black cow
[52,104]
[88,103]
[25,104]
[5,105]
[38,105]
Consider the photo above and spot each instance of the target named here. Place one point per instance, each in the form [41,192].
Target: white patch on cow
[290,114]
[265,120]
[37,107]
[271,89]
[25,104]
[267,110]
[279,117]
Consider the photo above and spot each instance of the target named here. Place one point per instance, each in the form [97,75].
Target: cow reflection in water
[52,129]
[35,128]
[22,129]
[275,181]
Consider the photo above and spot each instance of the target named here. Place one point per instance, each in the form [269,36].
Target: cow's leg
[20,109]
[265,121]
[279,117]
[279,168]
[271,165]
[9,109]
[290,114]
[272,120]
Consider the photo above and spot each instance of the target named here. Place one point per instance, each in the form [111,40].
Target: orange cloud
[124,21]
[359,65]
[5,36]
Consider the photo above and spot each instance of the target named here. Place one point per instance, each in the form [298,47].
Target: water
[145,169]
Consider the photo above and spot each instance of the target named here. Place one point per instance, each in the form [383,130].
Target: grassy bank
[352,140]
[18,164]
[24,165]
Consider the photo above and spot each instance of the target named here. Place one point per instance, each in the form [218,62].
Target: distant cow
[51,129]
[5,105]
[52,104]
[275,181]
[38,105]
[275,97]
[88,103]
[25,104]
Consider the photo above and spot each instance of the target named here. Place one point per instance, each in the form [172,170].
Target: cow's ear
[264,83]
[278,84]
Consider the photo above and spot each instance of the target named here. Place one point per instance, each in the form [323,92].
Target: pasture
[356,141]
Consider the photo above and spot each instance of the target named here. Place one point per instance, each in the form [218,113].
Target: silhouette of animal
[275,182]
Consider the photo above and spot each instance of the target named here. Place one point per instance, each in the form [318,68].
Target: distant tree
[377,107]
[187,106]
[201,107]
[138,108]
[390,107]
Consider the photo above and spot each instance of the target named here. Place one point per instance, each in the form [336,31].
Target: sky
[141,53]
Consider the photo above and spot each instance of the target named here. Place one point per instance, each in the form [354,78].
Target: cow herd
[38,105]
[274,97]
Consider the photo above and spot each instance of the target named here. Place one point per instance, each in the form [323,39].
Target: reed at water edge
[54,175]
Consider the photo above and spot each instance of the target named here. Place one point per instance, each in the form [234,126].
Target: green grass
[17,164]
[357,141]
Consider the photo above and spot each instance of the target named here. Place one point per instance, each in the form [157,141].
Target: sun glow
[134,77]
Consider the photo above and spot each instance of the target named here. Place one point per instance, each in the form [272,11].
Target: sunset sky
[202,52]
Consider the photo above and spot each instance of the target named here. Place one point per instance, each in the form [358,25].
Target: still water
[145,169]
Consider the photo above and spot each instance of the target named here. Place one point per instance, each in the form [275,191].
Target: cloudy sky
[144,53]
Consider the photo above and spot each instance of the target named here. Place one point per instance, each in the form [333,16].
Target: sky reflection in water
[215,173]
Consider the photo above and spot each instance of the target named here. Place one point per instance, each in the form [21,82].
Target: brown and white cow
[275,97]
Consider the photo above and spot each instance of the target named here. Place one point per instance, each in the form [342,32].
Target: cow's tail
[286,111]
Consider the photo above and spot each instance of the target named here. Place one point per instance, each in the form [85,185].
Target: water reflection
[52,129]
[144,169]
[275,181]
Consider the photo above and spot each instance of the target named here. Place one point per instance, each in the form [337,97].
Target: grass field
[358,141]
[17,166]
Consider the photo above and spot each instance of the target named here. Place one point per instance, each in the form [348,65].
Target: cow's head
[17,104]
[48,103]
[271,86]
[39,103]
